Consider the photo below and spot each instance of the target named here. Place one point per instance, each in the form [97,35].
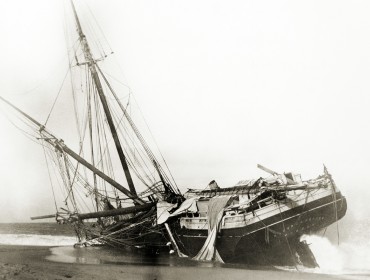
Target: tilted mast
[59,145]
[95,77]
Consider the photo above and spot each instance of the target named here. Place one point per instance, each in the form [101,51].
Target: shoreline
[29,262]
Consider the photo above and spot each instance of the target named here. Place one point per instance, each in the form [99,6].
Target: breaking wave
[349,257]
[36,240]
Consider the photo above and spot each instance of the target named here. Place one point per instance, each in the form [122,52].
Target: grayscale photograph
[184,139]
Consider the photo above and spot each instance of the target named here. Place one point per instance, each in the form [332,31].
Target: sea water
[349,259]
[36,234]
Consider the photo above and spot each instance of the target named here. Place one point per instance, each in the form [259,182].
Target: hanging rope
[334,195]
[51,182]
[56,98]
[136,131]
[101,31]
[286,237]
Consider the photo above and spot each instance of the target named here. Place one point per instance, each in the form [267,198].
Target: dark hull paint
[272,241]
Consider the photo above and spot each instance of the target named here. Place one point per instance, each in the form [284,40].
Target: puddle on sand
[103,255]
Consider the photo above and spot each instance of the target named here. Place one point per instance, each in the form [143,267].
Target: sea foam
[345,258]
[36,240]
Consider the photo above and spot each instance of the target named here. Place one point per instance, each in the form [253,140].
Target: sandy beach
[28,262]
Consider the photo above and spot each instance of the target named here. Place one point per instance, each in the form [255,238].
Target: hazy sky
[224,85]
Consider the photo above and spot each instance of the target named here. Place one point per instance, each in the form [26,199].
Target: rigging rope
[334,195]
[51,182]
[117,99]
[97,23]
[137,132]
[286,237]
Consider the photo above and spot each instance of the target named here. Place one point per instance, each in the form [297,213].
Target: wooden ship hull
[269,234]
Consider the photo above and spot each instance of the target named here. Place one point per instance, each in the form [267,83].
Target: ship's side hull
[273,239]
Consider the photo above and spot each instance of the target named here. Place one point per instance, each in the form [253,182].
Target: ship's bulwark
[271,241]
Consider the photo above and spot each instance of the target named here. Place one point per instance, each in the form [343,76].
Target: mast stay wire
[130,160]
[137,132]
[104,158]
[133,145]
[51,182]
[101,136]
[100,29]
[56,98]
[32,137]
[89,29]
[136,158]
[149,153]
[334,196]
[44,146]
[146,123]
[51,155]
[80,128]
[132,157]
[83,183]
[146,148]
[93,39]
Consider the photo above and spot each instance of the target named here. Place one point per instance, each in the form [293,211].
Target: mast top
[99,89]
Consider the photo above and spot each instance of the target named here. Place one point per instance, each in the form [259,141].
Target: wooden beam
[116,212]
[59,144]
[43,217]
[63,147]
[267,170]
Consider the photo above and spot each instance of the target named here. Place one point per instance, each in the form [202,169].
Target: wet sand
[29,262]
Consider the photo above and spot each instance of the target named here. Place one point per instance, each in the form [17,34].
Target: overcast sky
[224,85]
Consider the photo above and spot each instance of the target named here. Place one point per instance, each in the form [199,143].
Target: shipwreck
[258,221]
